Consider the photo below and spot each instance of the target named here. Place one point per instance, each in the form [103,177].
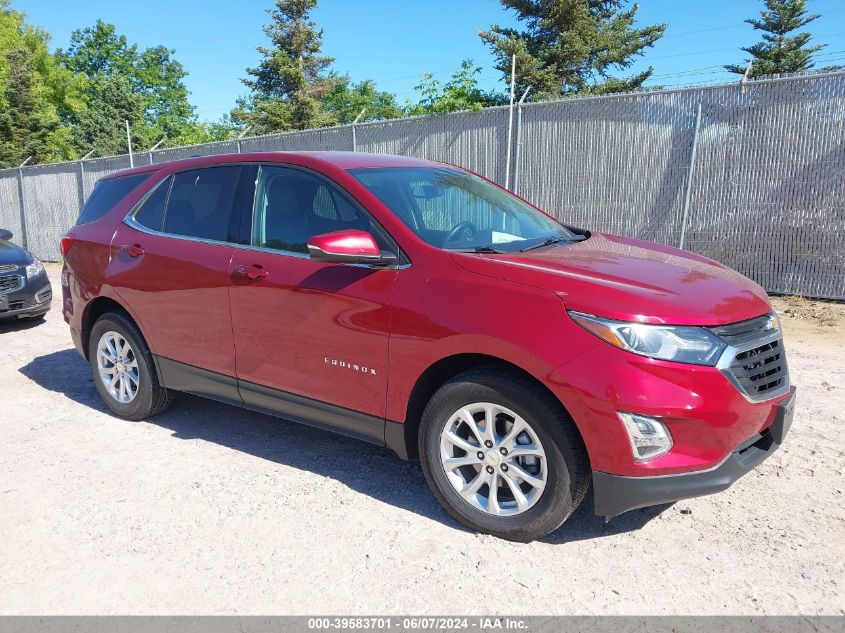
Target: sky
[394,41]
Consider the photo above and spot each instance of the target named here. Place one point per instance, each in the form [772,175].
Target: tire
[558,488]
[149,398]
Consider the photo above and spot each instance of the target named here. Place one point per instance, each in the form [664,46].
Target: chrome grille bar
[755,361]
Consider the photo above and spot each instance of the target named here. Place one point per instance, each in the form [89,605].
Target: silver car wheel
[493,459]
[118,367]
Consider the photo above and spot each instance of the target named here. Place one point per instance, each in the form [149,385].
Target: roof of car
[342,160]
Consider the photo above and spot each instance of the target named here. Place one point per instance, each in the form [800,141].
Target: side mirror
[5,235]
[348,247]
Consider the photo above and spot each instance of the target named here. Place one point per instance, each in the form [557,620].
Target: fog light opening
[43,296]
[649,437]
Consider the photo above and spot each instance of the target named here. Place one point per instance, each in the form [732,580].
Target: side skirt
[183,377]
[201,382]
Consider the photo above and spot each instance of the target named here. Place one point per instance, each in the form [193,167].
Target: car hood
[631,280]
[12,254]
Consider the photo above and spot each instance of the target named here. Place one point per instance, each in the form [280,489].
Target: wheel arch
[96,308]
[444,370]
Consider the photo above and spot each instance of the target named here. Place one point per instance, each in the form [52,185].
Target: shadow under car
[366,468]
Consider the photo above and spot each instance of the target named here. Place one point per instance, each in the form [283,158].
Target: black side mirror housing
[5,235]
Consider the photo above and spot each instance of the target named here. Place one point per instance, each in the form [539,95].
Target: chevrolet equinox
[419,306]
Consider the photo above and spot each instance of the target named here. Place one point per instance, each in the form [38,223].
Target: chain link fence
[752,175]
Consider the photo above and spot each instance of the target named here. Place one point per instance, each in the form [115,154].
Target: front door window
[292,206]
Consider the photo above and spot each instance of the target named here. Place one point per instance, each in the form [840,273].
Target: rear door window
[201,203]
[107,195]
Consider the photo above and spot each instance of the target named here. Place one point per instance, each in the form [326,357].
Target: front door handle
[253,273]
[133,250]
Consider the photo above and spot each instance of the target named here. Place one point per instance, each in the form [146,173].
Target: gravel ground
[210,509]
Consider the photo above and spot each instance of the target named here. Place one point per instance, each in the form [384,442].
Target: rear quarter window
[107,194]
[201,203]
[151,213]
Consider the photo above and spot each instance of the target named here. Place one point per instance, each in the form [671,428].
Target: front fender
[437,316]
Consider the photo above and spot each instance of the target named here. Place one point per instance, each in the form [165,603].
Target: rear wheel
[123,369]
[501,455]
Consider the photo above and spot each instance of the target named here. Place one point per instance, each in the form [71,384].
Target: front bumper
[33,299]
[615,494]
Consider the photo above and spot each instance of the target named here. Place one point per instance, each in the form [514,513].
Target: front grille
[10,283]
[7,268]
[760,370]
[756,361]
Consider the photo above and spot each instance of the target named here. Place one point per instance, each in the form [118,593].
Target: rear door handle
[253,273]
[133,250]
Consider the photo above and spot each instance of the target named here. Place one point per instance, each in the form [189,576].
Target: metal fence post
[510,124]
[240,136]
[744,79]
[518,155]
[129,143]
[82,179]
[155,147]
[690,173]
[81,188]
[24,238]
[354,134]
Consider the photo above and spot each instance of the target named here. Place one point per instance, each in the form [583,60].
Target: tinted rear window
[107,194]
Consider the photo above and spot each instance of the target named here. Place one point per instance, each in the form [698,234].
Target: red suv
[416,305]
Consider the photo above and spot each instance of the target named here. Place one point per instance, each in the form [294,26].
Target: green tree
[28,122]
[99,50]
[291,79]
[460,92]
[780,52]
[145,87]
[572,46]
[223,129]
[54,91]
[344,101]
[100,127]
[167,109]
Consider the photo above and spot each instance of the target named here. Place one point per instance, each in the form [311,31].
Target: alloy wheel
[118,367]
[493,459]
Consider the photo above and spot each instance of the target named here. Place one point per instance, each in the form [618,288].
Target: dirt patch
[211,509]
[823,313]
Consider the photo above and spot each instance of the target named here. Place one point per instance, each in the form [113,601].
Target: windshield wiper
[554,240]
[486,249]
[478,249]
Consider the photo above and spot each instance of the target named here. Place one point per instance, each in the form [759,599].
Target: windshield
[455,210]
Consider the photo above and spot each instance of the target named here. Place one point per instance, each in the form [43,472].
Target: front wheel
[502,455]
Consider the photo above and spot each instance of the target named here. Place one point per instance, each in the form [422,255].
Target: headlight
[34,269]
[682,344]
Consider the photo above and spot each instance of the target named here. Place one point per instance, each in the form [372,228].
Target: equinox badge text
[342,363]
